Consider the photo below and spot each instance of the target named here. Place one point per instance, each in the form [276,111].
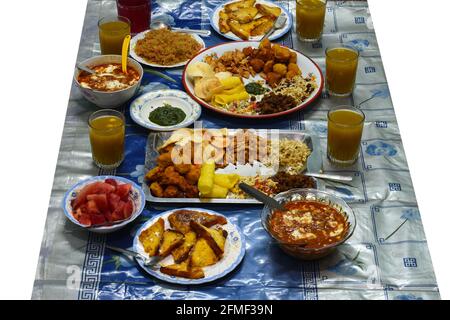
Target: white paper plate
[143,61]
[233,255]
[214,21]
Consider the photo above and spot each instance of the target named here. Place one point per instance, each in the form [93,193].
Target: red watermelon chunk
[113,201]
[123,191]
[128,209]
[97,219]
[111,182]
[85,220]
[100,201]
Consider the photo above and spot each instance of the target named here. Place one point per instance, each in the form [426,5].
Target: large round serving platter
[214,21]
[141,35]
[233,255]
[306,65]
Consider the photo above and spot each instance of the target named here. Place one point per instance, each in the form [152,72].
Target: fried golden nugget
[164,160]
[156,190]
[172,192]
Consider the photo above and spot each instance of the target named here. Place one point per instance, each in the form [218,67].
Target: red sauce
[312,223]
[108,77]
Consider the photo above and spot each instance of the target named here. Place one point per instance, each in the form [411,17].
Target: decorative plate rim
[182,281]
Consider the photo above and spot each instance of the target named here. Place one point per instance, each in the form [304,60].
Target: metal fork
[279,23]
[148,262]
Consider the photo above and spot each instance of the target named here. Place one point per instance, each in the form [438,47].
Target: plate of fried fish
[249,19]
[192,246]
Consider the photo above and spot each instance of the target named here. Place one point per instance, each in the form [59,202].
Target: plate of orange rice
[164,48]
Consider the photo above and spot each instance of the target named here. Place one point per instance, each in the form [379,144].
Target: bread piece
[181,253]
[215,237]
[202,255]
[262,26]
[233,6]
[151,237]
[171,239]
[244,15]
[183,270]
[223,22]
[266,10]
[180,219]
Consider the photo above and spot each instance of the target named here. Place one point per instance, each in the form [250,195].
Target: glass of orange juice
[345,127]
[310,17]
[341,66]
[107,136]
[112,30]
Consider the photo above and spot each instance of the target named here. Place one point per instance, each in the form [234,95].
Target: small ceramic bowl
[142,106]
[136,195]
[112,99]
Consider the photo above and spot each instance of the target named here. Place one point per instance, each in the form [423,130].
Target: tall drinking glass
[310,18]
[137,11]
[341,66]
[107,136]
[345,127]
[112,30]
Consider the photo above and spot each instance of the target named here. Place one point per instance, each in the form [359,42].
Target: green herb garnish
[167,115]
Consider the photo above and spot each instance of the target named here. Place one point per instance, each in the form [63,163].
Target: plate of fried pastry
[192,246]
[249,19]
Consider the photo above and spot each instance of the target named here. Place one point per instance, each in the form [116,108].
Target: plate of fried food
[192,246]
[249,79]
[164,48]
[249,19]
[207,165]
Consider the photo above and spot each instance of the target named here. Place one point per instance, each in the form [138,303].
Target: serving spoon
[264,198]
[161,25]
[86,69]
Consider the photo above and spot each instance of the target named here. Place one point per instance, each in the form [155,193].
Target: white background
[39,44]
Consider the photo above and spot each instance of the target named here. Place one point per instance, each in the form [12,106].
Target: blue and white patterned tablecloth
[386,258]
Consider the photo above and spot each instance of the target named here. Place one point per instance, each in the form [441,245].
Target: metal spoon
[264,198]
[162,25]
[86,69]
[326,176]
[279,23]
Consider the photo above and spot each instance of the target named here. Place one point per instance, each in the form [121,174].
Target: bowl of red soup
[109,86]
[313,224]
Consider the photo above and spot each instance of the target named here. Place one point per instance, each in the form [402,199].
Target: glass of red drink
[137,11]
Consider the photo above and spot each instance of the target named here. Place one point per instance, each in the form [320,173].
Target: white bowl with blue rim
[214,21]
[136,195]
[233,253]
[143,105]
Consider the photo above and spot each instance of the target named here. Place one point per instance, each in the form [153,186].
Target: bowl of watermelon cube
[104,204]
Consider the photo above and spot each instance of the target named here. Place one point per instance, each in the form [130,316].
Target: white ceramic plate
[142,106]
[306,65]
[214,20]
[233,255]
[143,61]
